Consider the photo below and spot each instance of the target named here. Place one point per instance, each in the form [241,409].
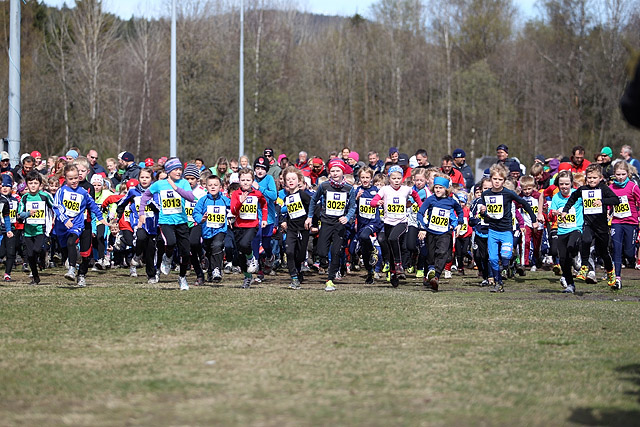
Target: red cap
[35,154]
[148,162]
[338,163]
[317,161]
[132,183]
[162,160]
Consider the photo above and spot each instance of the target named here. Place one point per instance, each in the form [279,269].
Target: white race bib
[249,209]
[188,209]
[216,216]
[38,217]
[396,207]
[439,220]
[72,203]
[569,219]
[623,210]
[495,206]
[295,209]
[336,203]
[365,210]
[148,212]
[464,227]
[171,202]
[588,201]
[13,211]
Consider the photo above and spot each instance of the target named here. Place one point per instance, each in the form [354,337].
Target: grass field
[119,353]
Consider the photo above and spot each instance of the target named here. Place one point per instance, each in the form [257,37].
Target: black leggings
[481,256]
[195,245]
[177,235]
[366,246]
[33,250]
[462,249]
[393,236]
[99,241]
[568,248]
[214,249]
[601,244]
[244,237]
[146,244]
[296,249]
[71,251]
[8,249]
[331,236]
[438,250]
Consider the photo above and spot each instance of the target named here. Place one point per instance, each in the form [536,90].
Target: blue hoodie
[215,218]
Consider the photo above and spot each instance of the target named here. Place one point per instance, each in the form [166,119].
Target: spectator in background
[459,163]
[131,169]
[21,171]
[303,164]
[514,170]
[317,170]
[627,153]
[355,163]
[577,163]
[403,162]
[375,163]
[244,162]
[92,156]
[221,167]
[199,162]
[333,155]
[274,169]
[422,158]
[448,169]
[71,155]
[394,154]
[234,165]
[345,154]
[607,167]
[283,161]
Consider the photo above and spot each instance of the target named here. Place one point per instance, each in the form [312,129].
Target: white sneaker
[228,268]
[454,268]
[81,281]
[447,274]
[184,285]
[165,266]
[94,268]
[152,280]
[252,265]
[71,274]
[533,268]
[135,261]
[132,271]
[563,282]
[591,277]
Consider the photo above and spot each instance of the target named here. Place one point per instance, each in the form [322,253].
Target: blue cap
[7,180]
[503,148]
[459,153]
[72,153]
[439,180]
[462,197]
[395,168]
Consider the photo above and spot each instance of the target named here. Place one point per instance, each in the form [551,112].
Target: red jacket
[456,176]
[236,205]
[123,223]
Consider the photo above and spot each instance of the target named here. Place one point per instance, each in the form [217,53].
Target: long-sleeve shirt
[573,221]
[270,192]
[594,216]
[627,211]
[131,204]
[247,213]
[368,214]
[70,204]
[38,223]
[211,212]
[435,214]
[334,202]
[172,202]
[499,216]
[395,203]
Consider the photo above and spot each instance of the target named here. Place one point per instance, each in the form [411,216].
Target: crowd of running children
[386,217]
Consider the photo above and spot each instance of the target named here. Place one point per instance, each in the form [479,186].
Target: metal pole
[14,83]
[174,92]
[241,96]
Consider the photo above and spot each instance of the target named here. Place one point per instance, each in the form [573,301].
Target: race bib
[148,212]
[171,202]
[623,210]
[249,209]
[13,211]
[589,198]
[336,203]
[72,203]
[295,209]
[439,220]
[216,216]
[495,206]
[127,213]
[569,220]
[464,227]
[37,218]
[365,209]
[415,208]
[188,209]
[396,208]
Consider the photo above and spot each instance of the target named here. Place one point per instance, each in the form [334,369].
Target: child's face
[497,181]
[336,173]
[593,179]
[82,172]
[111,166]
[564,183]
[292,181]
[527,190]
[419,181]
[176,174]
[213,187]
[145,179]
[486,185]
[260,173]
[73,179]
[245,181]
[98,186]
[621,175]
[365,179]
[477,193]
[33,186]
[193,181]
[395,179]
[53,186]
[5,190]
[439,191]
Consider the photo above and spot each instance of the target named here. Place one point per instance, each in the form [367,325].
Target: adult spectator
[375,163]
[355,163]
[345,154]
[448,169]
[244,162]
[222,166]
[627,153]
[422,158]
[607,167]
[234,165]
[403,162]
[317,170]
[71,155]
[303,164]
[283,161]
[577,162]
[21,171]
[394,154]
[459,163]
[5,162]
[502,153]
[131,168]
[92,156]
[514,170]
[274,169]
[199,162]
[39,164]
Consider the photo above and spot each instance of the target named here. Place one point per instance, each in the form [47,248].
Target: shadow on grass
[613,416]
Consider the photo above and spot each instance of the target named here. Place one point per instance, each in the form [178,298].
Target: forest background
[412,74]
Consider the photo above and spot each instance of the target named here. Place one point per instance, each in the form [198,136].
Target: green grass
[116,353]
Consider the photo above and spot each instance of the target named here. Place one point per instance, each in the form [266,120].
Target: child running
[368,221]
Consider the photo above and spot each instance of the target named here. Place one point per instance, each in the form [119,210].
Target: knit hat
[395,168]
[442,181]
[514,167]
[148,162]
[268,152]
[132,183]
[172,164]
[7,180]
[127,157]
[191,170]
[337,163]
[261,162]
[503,148]
[393,150]
[607,151]
[317,161]
[281,156]
[355,156]
[96,178]
[162,160]
[36,154]
[72,153]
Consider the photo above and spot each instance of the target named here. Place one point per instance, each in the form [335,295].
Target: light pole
[241,96]
[14,83]
[173,151]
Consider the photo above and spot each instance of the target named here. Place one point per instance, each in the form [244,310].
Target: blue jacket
[433,203]
[223,205]
[270,192]
[69,204]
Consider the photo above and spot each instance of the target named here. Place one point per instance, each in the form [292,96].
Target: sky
[155,8]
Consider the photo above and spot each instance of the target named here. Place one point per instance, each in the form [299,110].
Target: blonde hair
[579,178]
[82,161]
[350,179]
[536,169]
[527,181]
[440,174]
[293,170]
[500,170]
[509,185]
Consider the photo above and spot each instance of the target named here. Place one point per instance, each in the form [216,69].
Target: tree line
[438,75]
